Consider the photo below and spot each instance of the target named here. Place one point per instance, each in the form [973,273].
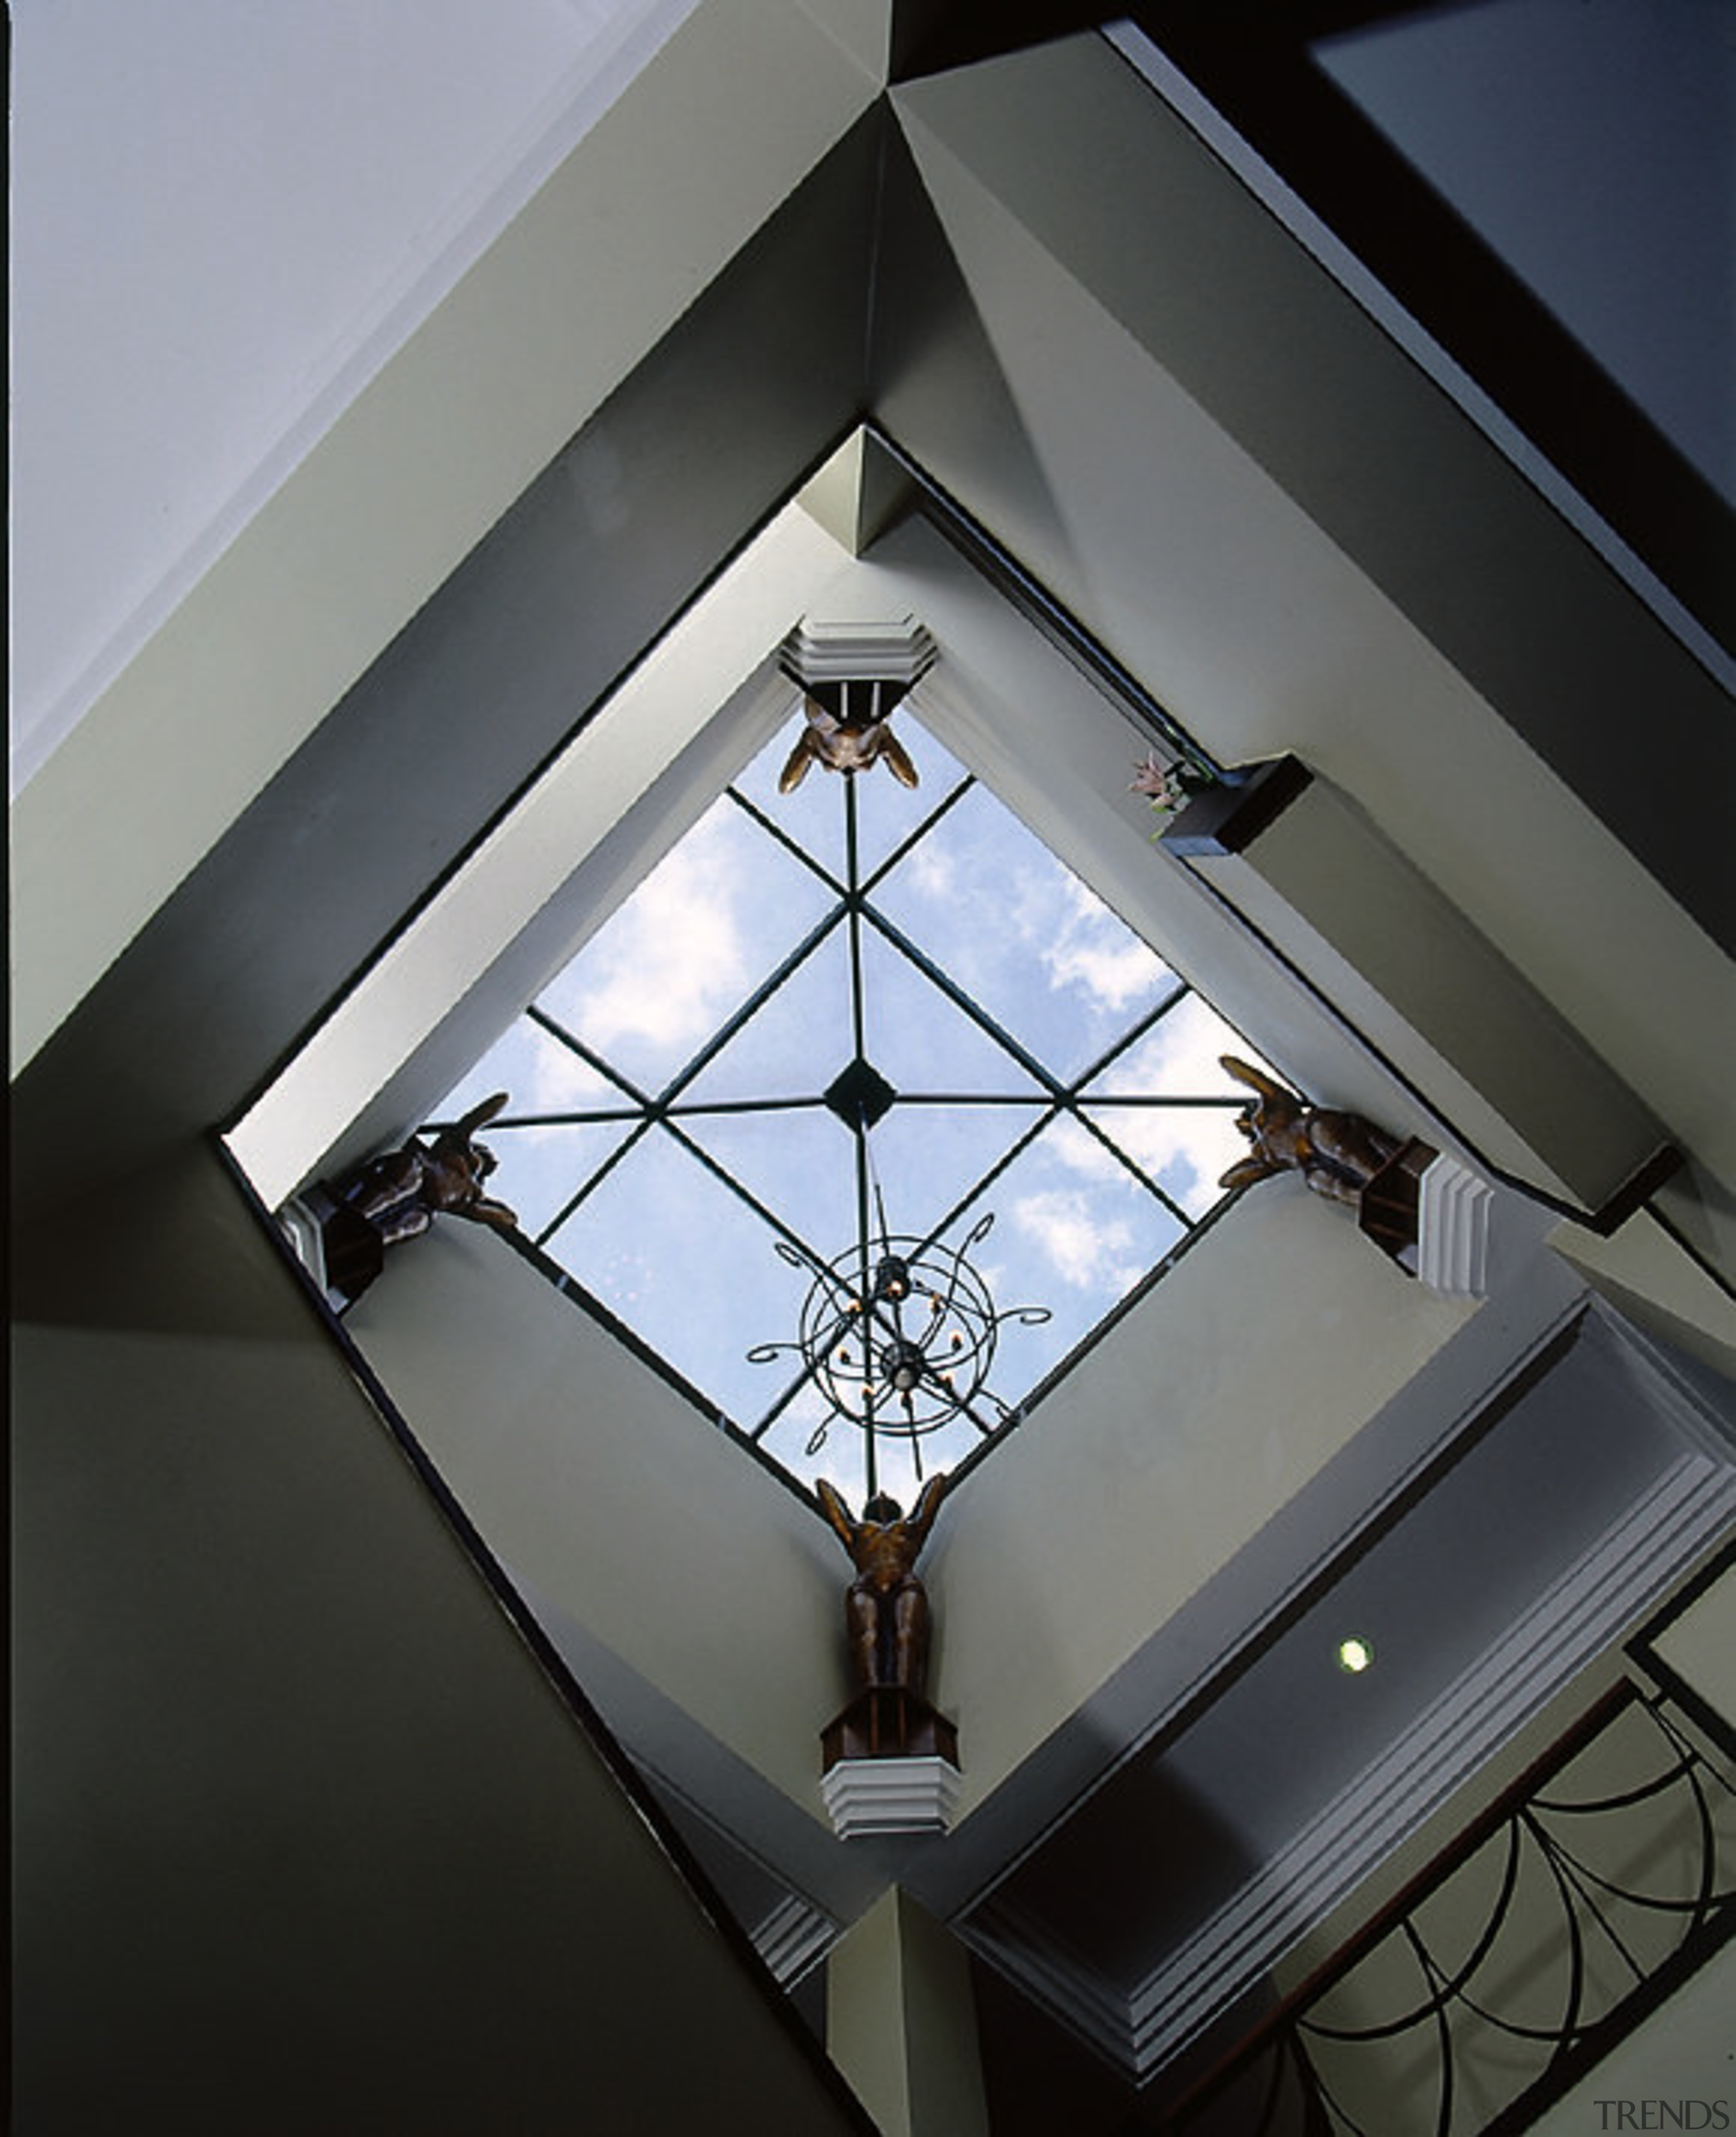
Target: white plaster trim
[1453,1207]
[1060,1978]
[793,1937]
[1540,1652]
[890,1795]
[860,652]
[301,1229]
[1577,1617]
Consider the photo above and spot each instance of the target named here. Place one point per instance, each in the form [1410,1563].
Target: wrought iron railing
[1580,1900]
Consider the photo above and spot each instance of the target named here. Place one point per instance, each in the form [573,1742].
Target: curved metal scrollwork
[899,1334]
[1531,1941]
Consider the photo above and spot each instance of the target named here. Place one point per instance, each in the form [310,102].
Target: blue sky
[691,1268]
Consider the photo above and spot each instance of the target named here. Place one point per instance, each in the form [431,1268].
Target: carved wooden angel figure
[847,744]
[401,1193]
[1338,1154]
[886,1609]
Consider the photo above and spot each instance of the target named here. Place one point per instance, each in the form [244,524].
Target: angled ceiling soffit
[557,599]
[541,330]
[1126,218]
[1252,1855]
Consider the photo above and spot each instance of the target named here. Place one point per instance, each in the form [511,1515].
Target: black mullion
[775,830]
[712,1106]
[1063,1098]
[967,1410]
[805,1378]
[858,1023]
[922,831]
[742,1194]
[591,1058]
[1051,1113]
[865,1291]
[644,1103]
[601,1118]
[595,1180]
[749,1008]
[1137,1169]
[1078,1101]
[1073,1102]
[1133,1034]
[973,1098]
[853,901]
[955,993]
[1155,1099]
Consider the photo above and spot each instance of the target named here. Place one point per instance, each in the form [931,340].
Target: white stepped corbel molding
[1453,1208]
[916,1794]
[897,652]
[793,1938]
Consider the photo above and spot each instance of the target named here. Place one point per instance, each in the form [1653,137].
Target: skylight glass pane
[1185,1149]
[542,1169]
[1074,1232]
[904,1465]
[957,1005]
[539,1170]
[841,1455]
[929,1159]
[688,1266]
[539,1075]
[1180,1057]
[796,1043]
[1022,935]
[919,1039]
[701,931]
[800,1165]
[812,813]
[887,813]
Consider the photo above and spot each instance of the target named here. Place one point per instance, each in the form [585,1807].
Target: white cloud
[672,963]
[1082,944]
[1181,1054]
[1085,1251]
[1081,1152]
[555,1087]
[1189,1148]
[1183,1150]
[930,869]
[1117,975]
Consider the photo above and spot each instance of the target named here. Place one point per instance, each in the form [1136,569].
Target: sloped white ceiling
[184,324]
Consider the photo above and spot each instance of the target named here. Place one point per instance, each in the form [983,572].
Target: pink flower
[1159,783]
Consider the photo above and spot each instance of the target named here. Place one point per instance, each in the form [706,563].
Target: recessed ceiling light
[1355,1654]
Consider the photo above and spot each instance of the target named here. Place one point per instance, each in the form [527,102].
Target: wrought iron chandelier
[897,1331]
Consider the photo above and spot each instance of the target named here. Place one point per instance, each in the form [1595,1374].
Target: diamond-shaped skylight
[858,1003]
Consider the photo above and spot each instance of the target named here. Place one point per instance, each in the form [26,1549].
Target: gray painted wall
[304,1838]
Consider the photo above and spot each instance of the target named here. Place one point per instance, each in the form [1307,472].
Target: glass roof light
[900,961]
[904,1356]
[897,1333]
